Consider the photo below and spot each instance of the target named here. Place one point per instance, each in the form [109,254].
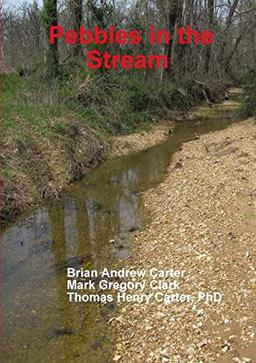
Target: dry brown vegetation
[39,167]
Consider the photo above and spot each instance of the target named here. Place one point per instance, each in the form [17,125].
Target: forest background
[57,108]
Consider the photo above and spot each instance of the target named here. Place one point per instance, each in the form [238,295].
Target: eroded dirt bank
[38,167]
[203,222]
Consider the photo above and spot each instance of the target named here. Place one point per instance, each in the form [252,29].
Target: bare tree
[233,22]
[210,11]
[76,9]
[50,19]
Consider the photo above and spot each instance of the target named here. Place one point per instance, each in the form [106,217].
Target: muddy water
[39,324]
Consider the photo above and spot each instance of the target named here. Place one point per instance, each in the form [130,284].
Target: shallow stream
[39,323]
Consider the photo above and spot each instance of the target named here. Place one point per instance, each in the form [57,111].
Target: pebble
[202,343]
[117,358]
[194,221]
[190,350]
[225,349]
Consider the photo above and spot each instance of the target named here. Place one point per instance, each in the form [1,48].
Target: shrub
[248,107]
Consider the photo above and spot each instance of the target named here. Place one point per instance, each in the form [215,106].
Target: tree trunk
[174,18]
[76,9]
[229,19]
[50,19]
[208,50]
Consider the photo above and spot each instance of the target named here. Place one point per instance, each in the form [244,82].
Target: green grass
[113,103]
[81,109]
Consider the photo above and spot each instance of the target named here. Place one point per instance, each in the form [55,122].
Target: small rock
[198,325]
[225,348]
[236,359]
[248,254]
[176,359]
[190,351]
[202,343]
[117,358]
[165,352]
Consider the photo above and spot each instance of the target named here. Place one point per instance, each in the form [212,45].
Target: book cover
[128,181]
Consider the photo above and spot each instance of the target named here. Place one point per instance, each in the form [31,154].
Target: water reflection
[70,225]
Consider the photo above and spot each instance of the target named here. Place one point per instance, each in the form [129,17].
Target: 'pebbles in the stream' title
[134,286]
[122,40]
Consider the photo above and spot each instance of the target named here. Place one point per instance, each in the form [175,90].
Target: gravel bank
[203,222]
[129,144]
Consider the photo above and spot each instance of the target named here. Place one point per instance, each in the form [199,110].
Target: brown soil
[40,167]
[203,222]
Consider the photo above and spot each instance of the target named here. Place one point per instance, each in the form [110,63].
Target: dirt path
[203,222]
